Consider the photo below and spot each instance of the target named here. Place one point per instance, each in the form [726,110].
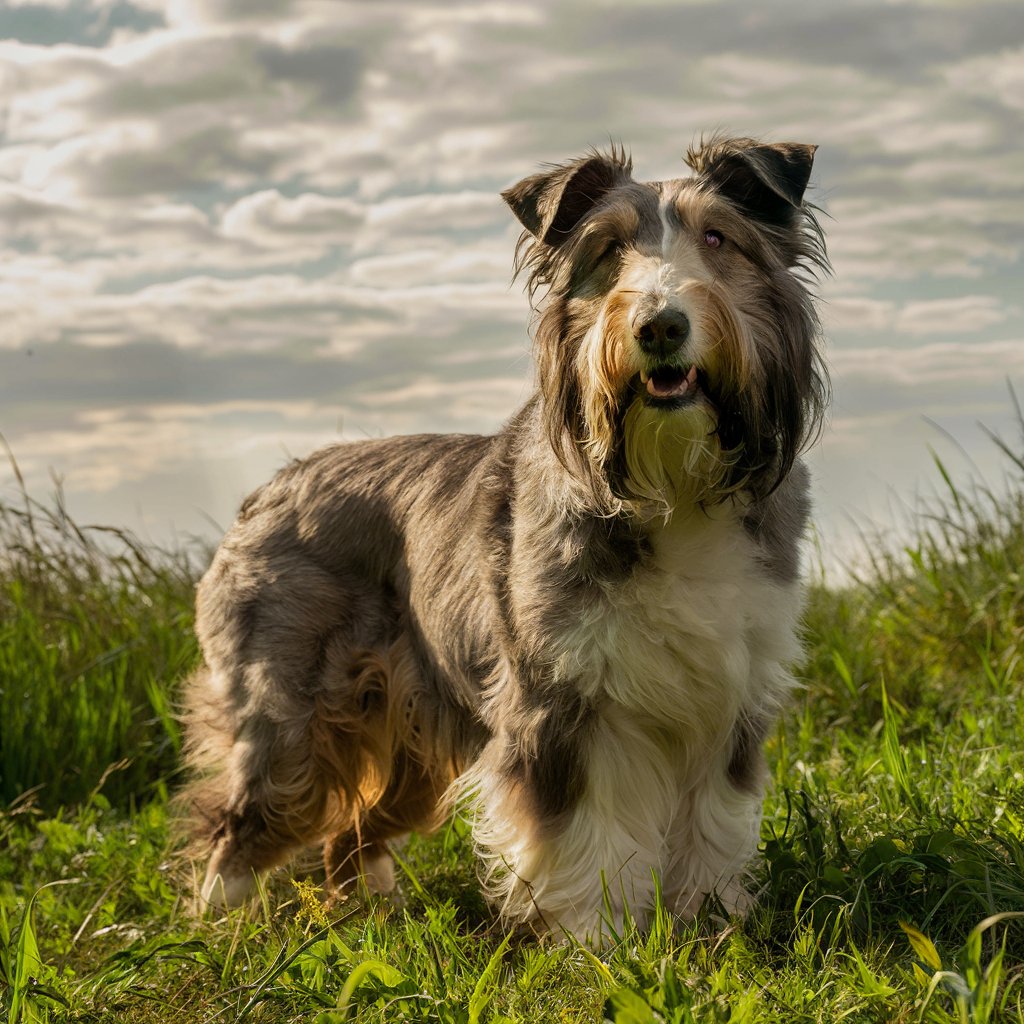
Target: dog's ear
[766,182]
[550,204]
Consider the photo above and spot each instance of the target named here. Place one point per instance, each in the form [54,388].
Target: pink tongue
[671,388]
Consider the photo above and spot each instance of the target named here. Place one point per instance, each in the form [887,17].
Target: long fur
[581,627]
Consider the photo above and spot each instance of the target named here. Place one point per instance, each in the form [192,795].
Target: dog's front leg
[714,837]
[571,823]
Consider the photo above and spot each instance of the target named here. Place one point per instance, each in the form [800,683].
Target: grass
[892,876]
[94,629]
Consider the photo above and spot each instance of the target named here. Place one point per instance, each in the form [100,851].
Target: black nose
[664,333]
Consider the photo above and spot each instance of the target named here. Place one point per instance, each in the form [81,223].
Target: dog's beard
[673,458]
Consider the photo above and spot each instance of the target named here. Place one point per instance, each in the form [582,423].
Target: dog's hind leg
[273,723]
[349,761]
[412,802]
[268,801]
[268,779]
[402,764]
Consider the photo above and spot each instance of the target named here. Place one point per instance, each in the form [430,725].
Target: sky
[232,231]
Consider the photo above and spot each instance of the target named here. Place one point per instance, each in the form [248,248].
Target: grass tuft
[94,631]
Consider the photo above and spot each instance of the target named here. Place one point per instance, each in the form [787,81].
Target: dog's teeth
[691,377]
[644,376]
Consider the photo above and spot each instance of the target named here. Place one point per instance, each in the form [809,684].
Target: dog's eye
[713,239]
[610,251]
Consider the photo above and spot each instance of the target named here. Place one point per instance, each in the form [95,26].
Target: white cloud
[948,236]
[857,313]
[471,401]
[949,363]
[275,311]
[268,218]
[109,447]
[963,315]
[438,211]
[230,12]
[480,262]
[995,77]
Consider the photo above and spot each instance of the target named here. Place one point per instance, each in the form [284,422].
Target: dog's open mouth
[670,383]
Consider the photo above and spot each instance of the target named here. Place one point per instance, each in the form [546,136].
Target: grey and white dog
[582,626]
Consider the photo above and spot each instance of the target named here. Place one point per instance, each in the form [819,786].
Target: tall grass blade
[893,753]
[486,986]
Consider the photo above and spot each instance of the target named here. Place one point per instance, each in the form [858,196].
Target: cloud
[230,12]
[951,236]
[463,210]
[882,388]
[963,315]
[480,262]
[996,76]
[244,406]
[161,113]
[138,160]
[209,202]
[267,217]
[109,447]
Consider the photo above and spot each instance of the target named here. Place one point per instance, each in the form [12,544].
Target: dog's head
[676,344]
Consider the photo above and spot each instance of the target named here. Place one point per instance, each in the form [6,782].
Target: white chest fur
[698,635]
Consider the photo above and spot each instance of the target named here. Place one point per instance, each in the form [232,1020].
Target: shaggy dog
[582,626]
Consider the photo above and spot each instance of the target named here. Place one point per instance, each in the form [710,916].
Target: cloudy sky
[234,230]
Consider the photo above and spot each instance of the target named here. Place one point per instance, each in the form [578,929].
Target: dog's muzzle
[668,378]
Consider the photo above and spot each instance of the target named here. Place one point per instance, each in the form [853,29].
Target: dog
[580,628]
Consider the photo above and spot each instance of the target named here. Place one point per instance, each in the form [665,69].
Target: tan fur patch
[386,769]
[609,366]
[359,731]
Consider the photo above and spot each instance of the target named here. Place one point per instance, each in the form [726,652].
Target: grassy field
[892,876]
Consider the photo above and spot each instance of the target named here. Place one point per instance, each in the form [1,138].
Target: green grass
[892,875]
[94,630]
